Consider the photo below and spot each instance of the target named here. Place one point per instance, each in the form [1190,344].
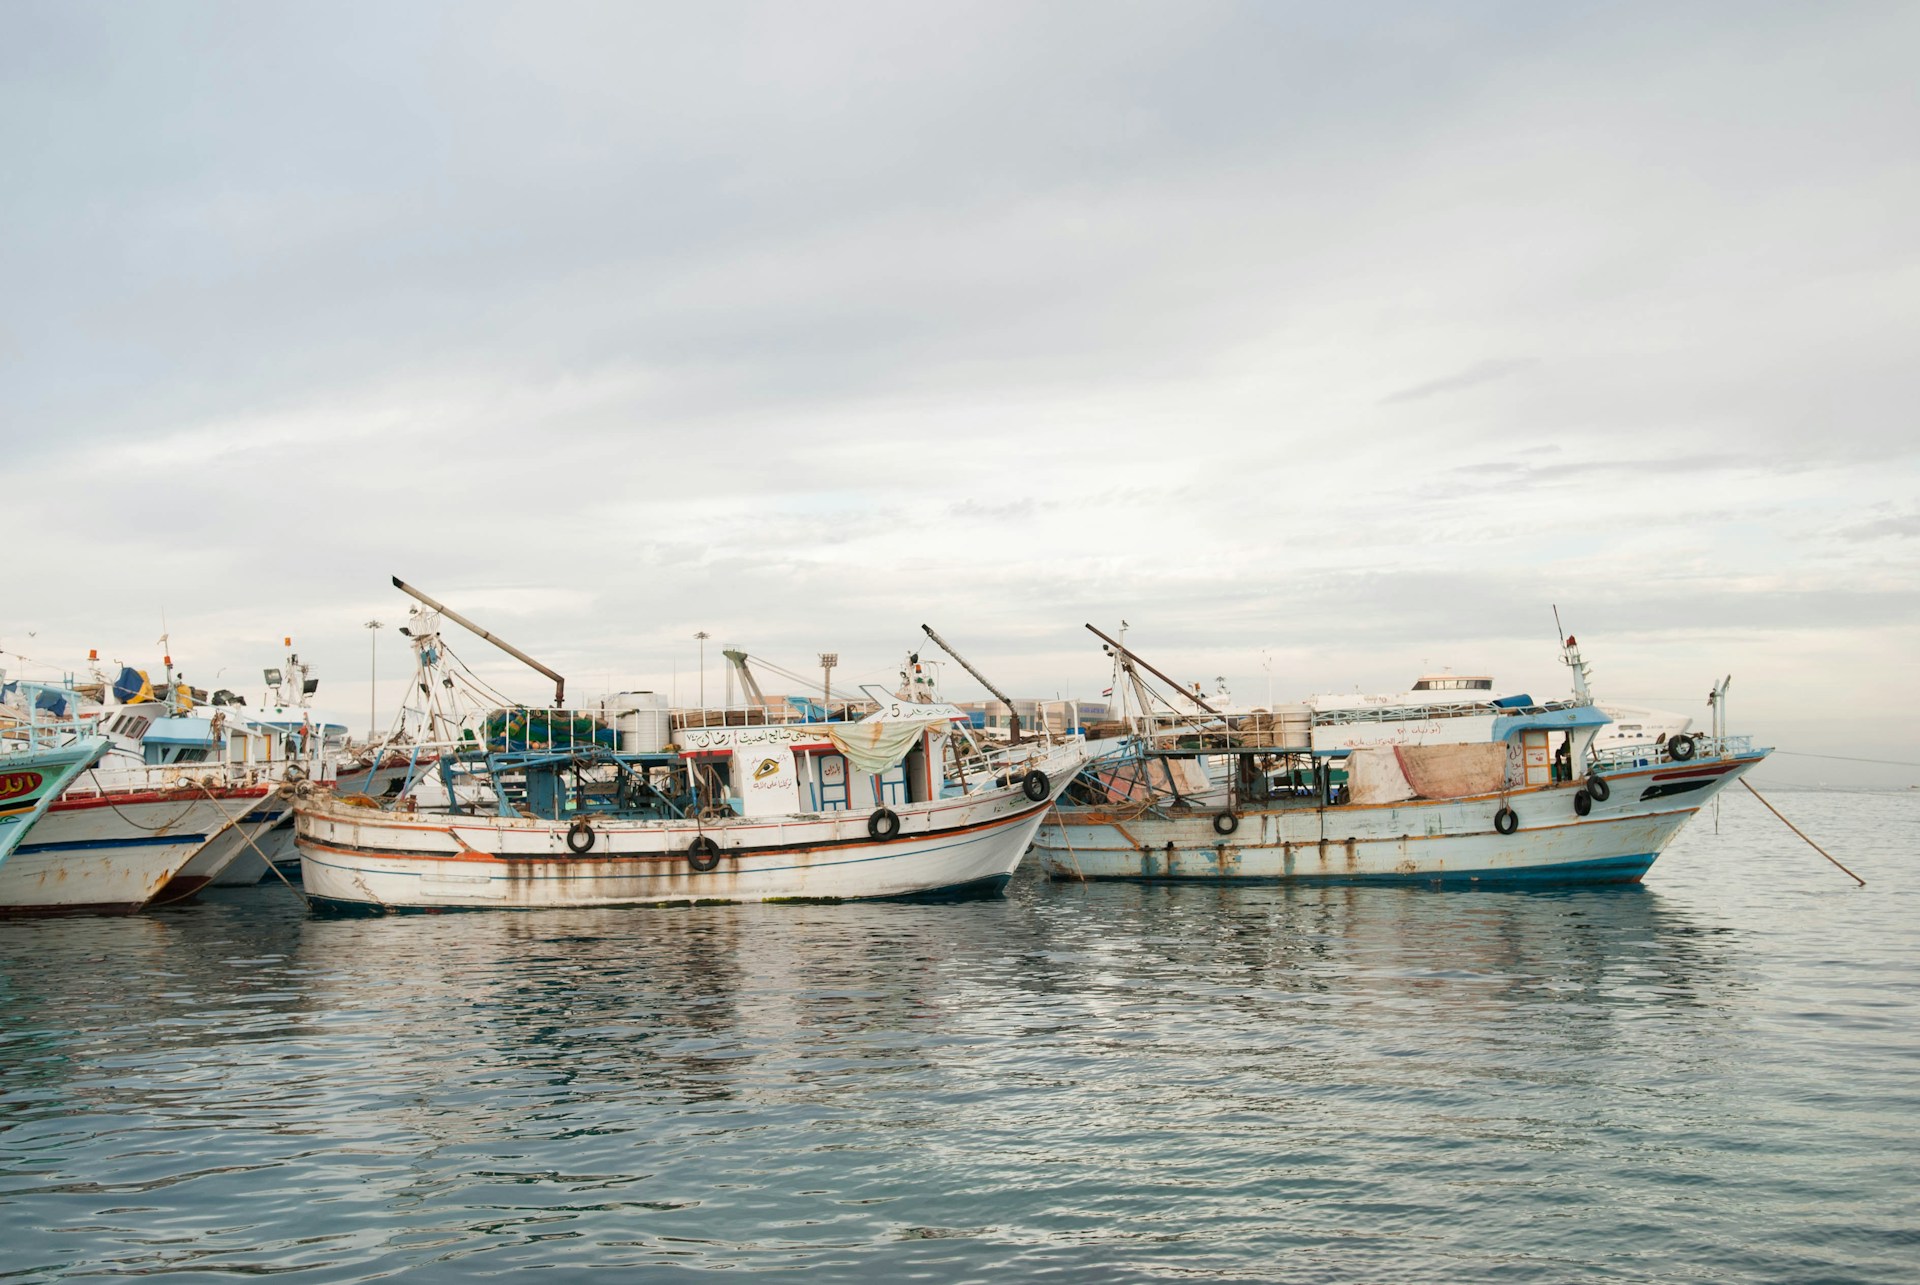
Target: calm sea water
[1714,1076]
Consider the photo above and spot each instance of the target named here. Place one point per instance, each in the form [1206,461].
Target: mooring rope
[1796,829]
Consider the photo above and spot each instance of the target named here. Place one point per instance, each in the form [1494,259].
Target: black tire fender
[580,837]
[1506,820]
[1225,823]
[1036,786]
[1582,802]
[883,824]
[1680,748]
[703,854]
[1597,786]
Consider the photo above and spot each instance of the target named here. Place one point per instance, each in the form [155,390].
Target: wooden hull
[356,858]
[1421,841]
[224,850]
[112,852]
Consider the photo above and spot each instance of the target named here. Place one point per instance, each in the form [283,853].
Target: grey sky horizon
[1325,344]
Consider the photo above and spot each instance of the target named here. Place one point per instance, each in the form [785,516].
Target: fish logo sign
[18,785]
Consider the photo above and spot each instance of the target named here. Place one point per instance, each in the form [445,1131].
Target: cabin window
[830,795]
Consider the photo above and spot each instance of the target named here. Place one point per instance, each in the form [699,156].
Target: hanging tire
[1036,786]
[1680,748]
[1506,820]
[883,824]
[1225,823]
[1597,786]
[1582,803]
[579,837]
[703,854]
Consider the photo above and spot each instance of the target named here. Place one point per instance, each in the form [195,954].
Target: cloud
[804,326]
[1484,372]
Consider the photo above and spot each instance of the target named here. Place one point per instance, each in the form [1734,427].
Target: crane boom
[1013,715]
[1134,656]
[559,683]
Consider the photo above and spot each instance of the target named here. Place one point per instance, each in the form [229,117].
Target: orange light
[93,653]
[288,642]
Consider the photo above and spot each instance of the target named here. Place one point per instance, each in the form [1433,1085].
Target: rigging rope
[1846,758]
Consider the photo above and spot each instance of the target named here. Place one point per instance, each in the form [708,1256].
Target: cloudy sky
[1324,343]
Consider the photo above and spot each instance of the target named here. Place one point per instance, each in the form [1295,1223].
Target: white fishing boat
[121,832]
[1534,801]
[118,831]
[39,758]
[534,808]
[285,722]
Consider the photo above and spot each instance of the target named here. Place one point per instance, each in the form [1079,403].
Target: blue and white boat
[1532,801]
[42,752]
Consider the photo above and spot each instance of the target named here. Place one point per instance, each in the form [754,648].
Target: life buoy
[1597,786]
[1506,820]
[703,854]
[579,837]
[1582,803]
[1680,748]
[1225,823]
[1036,786]
[883,824]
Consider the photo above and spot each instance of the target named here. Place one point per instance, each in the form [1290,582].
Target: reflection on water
[1290,1083]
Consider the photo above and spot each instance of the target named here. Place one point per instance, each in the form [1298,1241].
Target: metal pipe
[1136,659]
[1013,715]
[559,683]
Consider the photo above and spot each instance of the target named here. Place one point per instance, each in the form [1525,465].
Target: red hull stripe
[1690,772]
[70,801]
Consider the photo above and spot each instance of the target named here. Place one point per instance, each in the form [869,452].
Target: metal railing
[1704,747]
[1413,713]
[27,725]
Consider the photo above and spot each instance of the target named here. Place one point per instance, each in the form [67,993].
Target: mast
[1570,657]
[559,683]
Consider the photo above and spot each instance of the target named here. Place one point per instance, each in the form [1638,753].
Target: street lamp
[373,673]
[703,635]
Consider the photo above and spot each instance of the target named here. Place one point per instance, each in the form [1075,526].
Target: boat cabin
[894,758]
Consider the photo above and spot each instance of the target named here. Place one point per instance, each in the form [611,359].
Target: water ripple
[1708,1078]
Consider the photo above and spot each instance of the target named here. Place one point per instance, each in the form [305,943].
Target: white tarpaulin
[877,744]
[1374,776]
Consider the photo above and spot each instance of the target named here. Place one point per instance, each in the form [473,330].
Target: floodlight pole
[373,678]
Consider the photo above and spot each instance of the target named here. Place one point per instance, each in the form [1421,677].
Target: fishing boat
[1534,801]
[39,758]
[529,808]
[120,832]
[284,723]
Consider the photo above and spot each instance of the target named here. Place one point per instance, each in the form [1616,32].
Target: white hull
[274,843]
[109,853]
[224,851]
[1418,841]
[357,858]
